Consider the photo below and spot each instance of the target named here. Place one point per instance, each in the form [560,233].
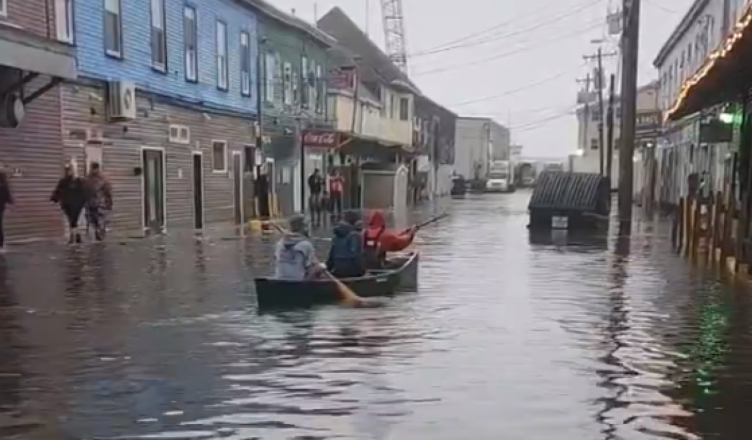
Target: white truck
[500,176]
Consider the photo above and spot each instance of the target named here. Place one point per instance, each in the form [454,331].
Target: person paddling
[378,240]
[294,254]
[346,251]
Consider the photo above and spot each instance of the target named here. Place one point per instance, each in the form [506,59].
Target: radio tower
[394,32]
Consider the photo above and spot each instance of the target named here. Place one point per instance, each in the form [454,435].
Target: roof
[686,22]
[374,63]
[291,21]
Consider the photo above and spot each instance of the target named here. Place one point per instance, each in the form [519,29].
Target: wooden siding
[136,63]
[83,109]
[35,151]
[35,16]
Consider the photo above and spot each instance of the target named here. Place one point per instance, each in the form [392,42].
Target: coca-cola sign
[320,139]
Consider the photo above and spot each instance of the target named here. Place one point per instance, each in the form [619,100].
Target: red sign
[321,139]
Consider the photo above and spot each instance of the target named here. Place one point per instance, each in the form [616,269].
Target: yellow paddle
[347,295]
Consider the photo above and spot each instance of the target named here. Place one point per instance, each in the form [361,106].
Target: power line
[657,5]
[516,90]
[512,52]
[543,121]
[534,27]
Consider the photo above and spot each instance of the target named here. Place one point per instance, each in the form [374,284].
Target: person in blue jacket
[346,252]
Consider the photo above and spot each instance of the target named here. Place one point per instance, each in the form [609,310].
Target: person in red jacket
[378,240]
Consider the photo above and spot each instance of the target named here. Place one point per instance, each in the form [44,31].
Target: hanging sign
[326,139]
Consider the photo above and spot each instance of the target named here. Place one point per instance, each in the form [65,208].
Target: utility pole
[610,126]
[586,113]
[598,80]
[630,46]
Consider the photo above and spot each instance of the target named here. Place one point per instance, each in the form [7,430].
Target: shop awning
[724,77]
[25,51]
[353,143]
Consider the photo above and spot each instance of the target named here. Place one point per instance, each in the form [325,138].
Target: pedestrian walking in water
[315,188]
[6,200]
[336,192]
[70,193]
[98,200]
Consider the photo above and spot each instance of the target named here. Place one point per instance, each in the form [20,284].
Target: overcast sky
[523,70]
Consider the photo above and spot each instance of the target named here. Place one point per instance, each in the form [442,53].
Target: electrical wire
[510,53]
[516,90]
[542,121]
[657,5]
[489,39]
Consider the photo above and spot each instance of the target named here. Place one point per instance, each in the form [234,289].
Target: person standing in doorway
[98,200]
[315,188]
[6,200]
[70,193]
[336,190]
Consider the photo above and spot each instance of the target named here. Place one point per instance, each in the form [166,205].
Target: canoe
[406,266]
[281,294]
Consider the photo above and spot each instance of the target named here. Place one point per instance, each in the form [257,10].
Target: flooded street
[508,338]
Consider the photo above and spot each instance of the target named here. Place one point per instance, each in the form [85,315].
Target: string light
[720,53]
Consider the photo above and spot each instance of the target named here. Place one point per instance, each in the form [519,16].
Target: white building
[588,159]
[681,152]
[479,140]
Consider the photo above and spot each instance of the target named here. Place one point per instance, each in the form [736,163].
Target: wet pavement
[509,337]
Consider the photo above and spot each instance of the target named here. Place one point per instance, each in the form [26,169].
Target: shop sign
[325,139]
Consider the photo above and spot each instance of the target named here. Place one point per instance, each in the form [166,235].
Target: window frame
[157,65]
[320,90]
[222,62]
[305,93]
[190,72]
[269,76]
[406,115]
[117,54]
[225,154]
[594,144]
[3,8]
[67,32]
[287,98]
[245,64]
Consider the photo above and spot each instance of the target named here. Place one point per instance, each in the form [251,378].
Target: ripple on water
[510,336]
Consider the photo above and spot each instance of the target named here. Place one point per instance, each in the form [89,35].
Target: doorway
[237,186]
[153,169]
[198,190]
[249,177]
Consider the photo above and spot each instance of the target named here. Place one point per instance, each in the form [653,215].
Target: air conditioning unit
[121,100]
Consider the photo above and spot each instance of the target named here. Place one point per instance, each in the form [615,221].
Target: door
[249,174]
[237,186]
[198,191]
[153,190]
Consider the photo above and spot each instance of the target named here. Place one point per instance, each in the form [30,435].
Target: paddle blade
[348,296]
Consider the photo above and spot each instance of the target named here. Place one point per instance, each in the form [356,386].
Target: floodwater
[508,338]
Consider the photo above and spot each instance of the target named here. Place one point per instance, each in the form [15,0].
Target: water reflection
[553,336]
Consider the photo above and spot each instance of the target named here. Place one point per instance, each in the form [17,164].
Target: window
[63,19]
[179,134]
[295,88]
[404,110]
[617,141]
[305,92]
[269,75]
[594,144]
[113,29]
[190,42]
[158,37]
[287,84]
[221,49]
[392,105]
[3,8]
[245,64]
[219,156]
[320,91]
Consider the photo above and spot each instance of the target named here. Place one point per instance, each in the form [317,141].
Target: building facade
[588,157]
[166,102]
[34,59]
[681,150]
[294,81]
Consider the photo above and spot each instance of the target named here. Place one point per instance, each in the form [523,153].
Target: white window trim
[161,25]
[179,139]
[64,20]
[226,155]
[191,72]
[116,53]
[3,8]
[223,74]
[287,90]
[269,74]
[245,77]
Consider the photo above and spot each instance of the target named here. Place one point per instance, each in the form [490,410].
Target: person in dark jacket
[346,252]
[70,193]
[6,199]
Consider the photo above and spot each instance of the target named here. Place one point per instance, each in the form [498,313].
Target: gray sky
[535,52]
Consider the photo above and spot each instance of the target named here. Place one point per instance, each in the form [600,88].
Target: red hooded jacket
[388,240]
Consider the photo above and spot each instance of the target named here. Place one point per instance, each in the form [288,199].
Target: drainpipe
[260,79]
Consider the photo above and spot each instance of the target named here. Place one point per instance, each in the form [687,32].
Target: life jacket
[372,253]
